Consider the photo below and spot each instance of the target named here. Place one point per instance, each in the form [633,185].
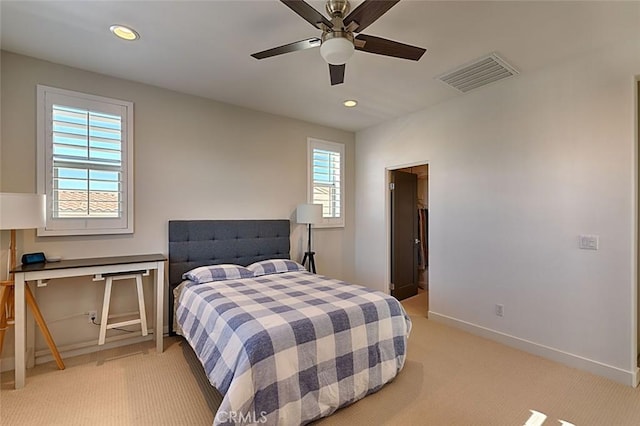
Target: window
[326,180]
[85,163]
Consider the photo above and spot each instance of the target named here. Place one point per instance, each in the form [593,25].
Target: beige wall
[517,171]
[194,158]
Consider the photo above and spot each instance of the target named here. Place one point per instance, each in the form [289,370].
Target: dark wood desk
[75,268]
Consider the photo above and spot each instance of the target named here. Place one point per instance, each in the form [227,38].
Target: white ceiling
[203,47]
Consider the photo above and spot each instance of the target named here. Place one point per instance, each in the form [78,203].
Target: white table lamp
[21,211]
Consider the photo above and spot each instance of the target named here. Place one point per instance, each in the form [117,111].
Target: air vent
[480,72]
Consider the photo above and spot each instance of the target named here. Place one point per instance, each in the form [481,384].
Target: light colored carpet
[130,385]
[450,378]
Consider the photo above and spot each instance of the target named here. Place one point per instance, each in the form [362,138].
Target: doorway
[409,231]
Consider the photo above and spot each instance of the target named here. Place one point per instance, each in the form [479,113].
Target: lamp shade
[22,211]
[309,213]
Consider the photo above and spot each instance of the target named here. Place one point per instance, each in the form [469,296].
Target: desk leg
[159,307]
[20,320]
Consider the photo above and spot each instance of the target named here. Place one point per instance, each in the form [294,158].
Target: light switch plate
[588,242]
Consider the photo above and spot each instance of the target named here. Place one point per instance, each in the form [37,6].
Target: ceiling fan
[337,42]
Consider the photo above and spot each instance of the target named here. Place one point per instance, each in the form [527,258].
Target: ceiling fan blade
[336,72]
[368,12]
[308,13]
[291,47]
[382,46]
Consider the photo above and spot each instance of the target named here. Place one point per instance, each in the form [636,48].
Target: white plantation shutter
[87,163]
[85,151]
[326,181]
[326,178]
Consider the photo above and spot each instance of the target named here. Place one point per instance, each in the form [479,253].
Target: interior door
[404,234]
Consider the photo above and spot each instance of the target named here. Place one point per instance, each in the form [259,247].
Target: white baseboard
[629,378]
[83,348]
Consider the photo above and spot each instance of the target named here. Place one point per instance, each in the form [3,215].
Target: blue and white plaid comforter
[292,347]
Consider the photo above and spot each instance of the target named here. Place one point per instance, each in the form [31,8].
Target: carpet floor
[450,378]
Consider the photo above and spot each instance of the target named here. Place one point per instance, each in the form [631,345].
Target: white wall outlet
[93,316]
[588,242]
[500,310]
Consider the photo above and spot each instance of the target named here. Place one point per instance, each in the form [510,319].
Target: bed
[283,346]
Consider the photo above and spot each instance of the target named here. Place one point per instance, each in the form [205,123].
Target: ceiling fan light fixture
[336,50]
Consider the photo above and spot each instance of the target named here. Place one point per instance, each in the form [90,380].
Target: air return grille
[480,72]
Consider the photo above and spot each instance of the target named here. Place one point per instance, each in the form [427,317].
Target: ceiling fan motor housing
[337,42]
[337,8]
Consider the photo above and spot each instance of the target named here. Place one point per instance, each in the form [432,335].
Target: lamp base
[312,263]
[7,317]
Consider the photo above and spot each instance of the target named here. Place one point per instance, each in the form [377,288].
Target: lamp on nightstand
[309,214]
[21,211]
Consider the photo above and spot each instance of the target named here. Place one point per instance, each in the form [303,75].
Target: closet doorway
[409,249]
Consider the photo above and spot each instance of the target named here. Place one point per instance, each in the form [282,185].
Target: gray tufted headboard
[194,243]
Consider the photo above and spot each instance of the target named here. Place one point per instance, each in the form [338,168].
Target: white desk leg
[30,332]
[159,306]
[19,330]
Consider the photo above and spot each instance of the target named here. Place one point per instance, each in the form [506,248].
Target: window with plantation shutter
[85,159]
[326,180]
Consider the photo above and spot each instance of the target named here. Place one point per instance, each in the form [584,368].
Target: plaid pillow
[209,273]
[274,266]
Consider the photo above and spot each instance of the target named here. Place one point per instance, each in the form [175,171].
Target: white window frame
[46,96]
[327,222]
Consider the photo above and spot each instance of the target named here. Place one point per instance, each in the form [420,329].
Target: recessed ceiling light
[124,33]
[350,103]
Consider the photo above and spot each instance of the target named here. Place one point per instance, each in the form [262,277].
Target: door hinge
[392,286]
[392,186]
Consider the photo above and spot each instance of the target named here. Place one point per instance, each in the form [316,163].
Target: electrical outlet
[92,315]
[500,310]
